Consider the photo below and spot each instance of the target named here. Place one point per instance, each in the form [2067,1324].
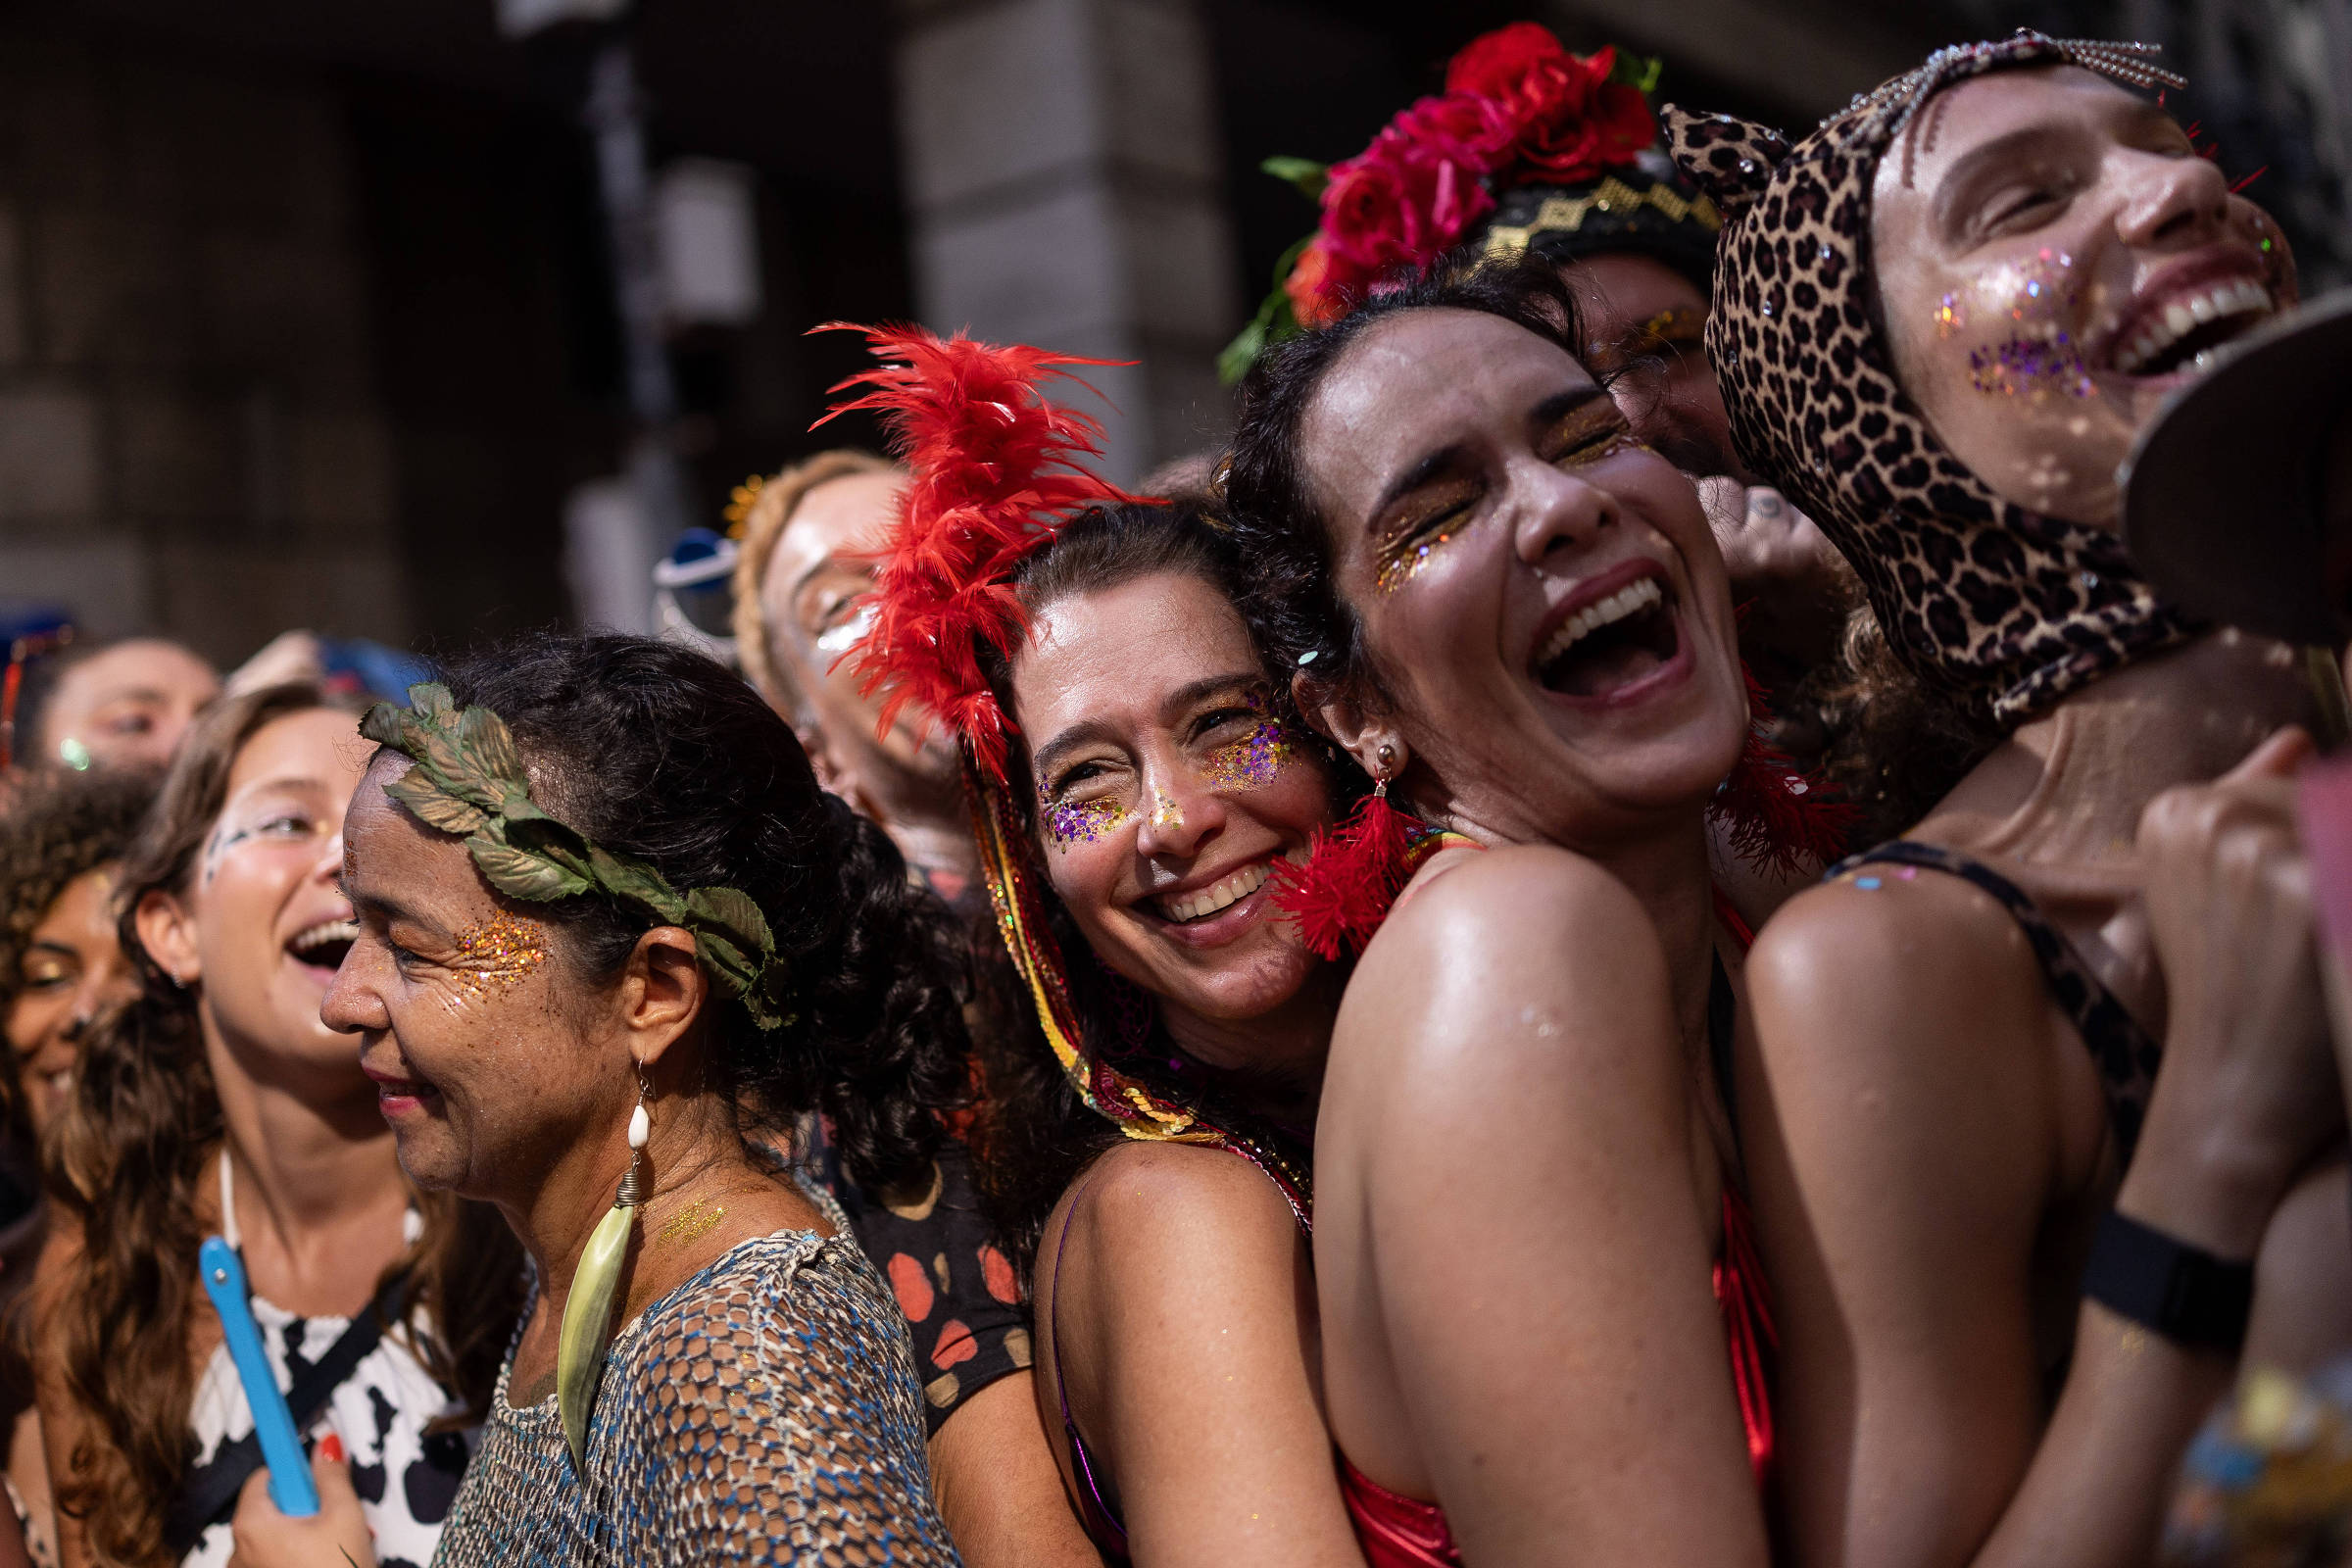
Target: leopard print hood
[2002,610]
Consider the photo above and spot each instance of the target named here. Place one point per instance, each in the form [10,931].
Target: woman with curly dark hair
[216,1100]
[1138,785]
[612,936]
[61,969]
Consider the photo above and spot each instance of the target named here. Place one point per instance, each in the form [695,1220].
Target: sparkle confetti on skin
[697,1218]
[1951,317]
[1398,569]
[496,955]
[1165,813]
[1253,761]
[2042,361]
[1082,821]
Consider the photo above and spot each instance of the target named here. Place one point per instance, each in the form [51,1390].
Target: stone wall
[188,438]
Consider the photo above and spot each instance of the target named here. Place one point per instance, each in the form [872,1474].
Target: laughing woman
[1515,618]
[2013,1287]
[612,935]
[1136,787]
[216,1101]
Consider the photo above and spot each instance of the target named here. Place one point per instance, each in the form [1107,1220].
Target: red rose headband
[1518,109]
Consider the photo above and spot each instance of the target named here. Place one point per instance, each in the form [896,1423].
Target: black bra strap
[2126,1055]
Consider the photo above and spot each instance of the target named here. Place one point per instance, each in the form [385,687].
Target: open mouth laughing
[1184,909]
[1614,641]
[320,948]
[2176,326]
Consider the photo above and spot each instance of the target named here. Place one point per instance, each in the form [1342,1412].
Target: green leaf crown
[468,780]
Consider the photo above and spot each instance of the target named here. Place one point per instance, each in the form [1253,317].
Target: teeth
[1209,900]
[325,931]
[1627,601]
[2242,297]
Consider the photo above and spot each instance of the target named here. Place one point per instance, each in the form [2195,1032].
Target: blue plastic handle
[290,1484]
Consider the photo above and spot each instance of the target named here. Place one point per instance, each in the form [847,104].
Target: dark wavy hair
[1294,608]
[127,1163]
[1035,1136]
[656,751]
[58,826]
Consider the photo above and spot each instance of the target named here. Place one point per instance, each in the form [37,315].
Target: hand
[2248,1092]
[336,1535]
[1781,564]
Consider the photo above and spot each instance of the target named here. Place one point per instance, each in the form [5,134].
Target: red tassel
[997,467]
[1352,873]
[1776,817]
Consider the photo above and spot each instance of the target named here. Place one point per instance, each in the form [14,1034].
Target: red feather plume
[1352,875]
[1774,817]
[996,469]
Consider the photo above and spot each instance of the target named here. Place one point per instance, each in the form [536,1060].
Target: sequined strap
[1742,1296]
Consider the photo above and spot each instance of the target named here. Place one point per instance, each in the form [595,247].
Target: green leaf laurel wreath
[468,781]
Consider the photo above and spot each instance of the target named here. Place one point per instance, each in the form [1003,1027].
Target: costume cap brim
[2223,510]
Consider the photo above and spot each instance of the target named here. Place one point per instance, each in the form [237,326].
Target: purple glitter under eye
[1082,821]
[1253,761]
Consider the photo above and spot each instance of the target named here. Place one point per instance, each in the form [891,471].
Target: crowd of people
[1649,922]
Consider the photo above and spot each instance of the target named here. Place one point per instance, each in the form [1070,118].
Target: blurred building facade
[306,315]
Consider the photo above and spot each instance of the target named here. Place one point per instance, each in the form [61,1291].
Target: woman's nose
[2172,201]
[1558,510]
[1177,814]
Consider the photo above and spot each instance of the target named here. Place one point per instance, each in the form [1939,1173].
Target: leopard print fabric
[2002,610]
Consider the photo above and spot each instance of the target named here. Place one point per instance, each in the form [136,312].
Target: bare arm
[1187,1315]
[1905,1148]
[1522,1238]
[998,1490]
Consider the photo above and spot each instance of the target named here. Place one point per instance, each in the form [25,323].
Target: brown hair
[763,527]
[125,1169]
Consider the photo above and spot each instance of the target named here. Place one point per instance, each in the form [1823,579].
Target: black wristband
[2183,1293]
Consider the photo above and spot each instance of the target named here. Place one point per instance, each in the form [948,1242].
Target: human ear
[663,992]
[167,931]
[1372,742]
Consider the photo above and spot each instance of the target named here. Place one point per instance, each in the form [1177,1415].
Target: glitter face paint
[1253,761]
[1082,821]
[496,955]
[1165,813]
[2039,360]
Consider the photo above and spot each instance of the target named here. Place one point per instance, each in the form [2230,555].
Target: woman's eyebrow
[1560,405]
[1986,156]
[1083,733]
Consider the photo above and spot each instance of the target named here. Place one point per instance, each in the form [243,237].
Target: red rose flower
[1414,192]
[1572,123]
[1314,290]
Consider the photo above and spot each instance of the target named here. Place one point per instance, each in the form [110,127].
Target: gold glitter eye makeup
[1408,556]
[496,955]
[1253,761]
[1592,431]
[1082,821]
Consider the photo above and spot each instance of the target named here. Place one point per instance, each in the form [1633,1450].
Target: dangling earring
[588,1309]
[1352,873]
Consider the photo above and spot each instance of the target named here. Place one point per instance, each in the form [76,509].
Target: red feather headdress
[995,471]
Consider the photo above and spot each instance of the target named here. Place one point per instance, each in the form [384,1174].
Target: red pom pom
[1774,815]
[1352,875]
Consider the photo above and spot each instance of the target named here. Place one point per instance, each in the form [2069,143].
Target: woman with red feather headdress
[1135,782]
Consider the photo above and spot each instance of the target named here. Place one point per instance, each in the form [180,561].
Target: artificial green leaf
[626,876]
[1634,70]
[733,910]
[734,973]
[382,725]
[485,735]
[1235,357]
[519,874]
[1304,174]
[434,806]
[429,697]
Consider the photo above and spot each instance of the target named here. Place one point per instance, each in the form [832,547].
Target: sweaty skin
[1173,1289]
[1925,1131]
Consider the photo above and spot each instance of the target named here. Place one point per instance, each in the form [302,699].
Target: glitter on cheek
[1951,317]
[1083,822]
[1253,761]
[496,955]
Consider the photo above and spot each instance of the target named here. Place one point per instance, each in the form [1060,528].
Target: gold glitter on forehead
[496,954]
